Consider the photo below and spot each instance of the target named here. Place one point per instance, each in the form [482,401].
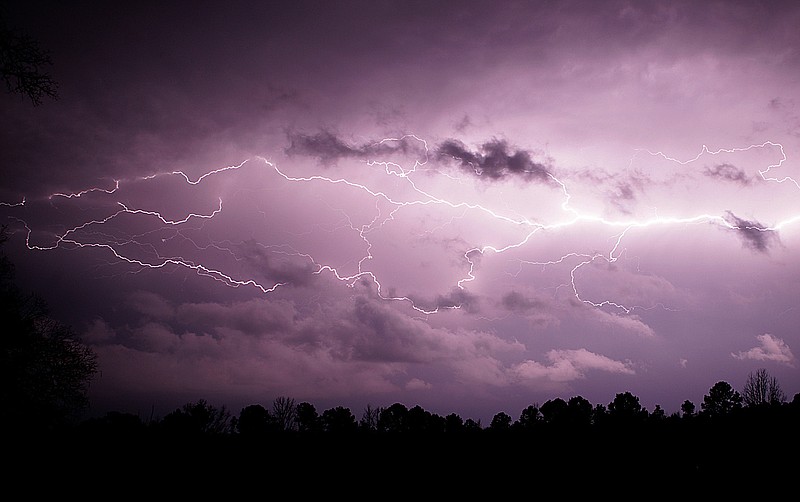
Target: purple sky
[470,206]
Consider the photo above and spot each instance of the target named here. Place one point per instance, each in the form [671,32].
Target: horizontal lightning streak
[763,172]
[422,198]
[13,204]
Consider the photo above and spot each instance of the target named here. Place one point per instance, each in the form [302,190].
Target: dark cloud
[150,312]
[779,103]
[324,145]
[328,147]
[620,189]
[494,159]
[150,305]
[517,302]
[625,191]
[463,124]
[384,335]
[754,235]
[253,317]
[458,298]
[278,267]
[622,195]
[728,172]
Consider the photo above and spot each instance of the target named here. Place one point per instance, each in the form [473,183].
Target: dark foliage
[443,455]
[46,370]
[23,66]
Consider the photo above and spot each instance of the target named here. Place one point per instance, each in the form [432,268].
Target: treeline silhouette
[722,407]
[711,450]
[730,437]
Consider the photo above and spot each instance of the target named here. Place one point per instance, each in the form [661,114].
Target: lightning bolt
[13,204]
[87,191]
[76,236]
[764,173]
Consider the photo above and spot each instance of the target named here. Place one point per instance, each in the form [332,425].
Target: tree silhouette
[308,420]
[554,411]
[255,421]
[472,425]
[721,400]
[761,388]
[198,417]
[599,414]
[579,412]
[393,419]
[284,411]
[453,423]
[22,65]
[626,409]
[339,420]
[46,370]
[501,422]
[529,418]
[658,415]
[421,420]
[116,424]
[687,408]
[651,448]
[369,418]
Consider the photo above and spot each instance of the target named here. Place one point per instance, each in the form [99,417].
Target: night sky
[470,206]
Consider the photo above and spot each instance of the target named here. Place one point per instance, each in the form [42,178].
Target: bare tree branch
[22,67]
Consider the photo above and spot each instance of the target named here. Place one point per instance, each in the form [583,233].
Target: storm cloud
[373,202]
[494,159]
[519,303]
[728,172]
[329,147]
[754,235]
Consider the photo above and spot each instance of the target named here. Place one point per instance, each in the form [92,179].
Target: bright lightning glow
[421,197]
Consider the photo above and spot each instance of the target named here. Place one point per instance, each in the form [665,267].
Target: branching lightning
[762,172]
[70,239]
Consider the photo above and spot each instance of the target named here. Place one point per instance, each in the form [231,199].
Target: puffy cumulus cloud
[340,348]
[150,304]
[156,337]
[605,281]
[254,317]
[362,328]
[379,332]
[417,384]
[273,366]
[569,365]
[771,348]
[375,332]
[232,365]
[98,333]
[626,322]
[537,309]
[241,370]
[484,369]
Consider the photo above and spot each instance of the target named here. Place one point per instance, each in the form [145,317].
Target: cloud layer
[472,210]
